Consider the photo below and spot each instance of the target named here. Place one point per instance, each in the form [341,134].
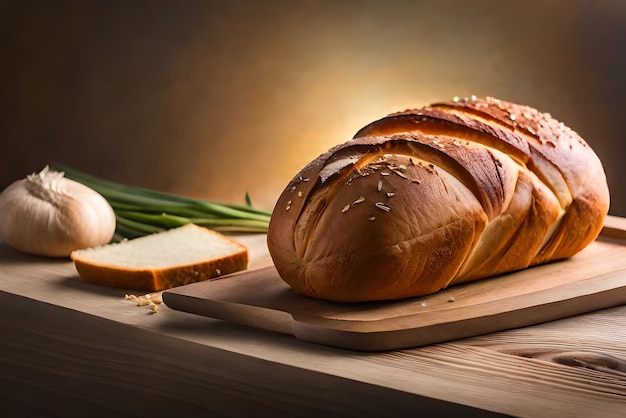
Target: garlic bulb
[50,215]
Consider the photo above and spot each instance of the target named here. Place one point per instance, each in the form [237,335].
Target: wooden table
[68,348]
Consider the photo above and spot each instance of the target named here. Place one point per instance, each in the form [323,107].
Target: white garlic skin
[49,215]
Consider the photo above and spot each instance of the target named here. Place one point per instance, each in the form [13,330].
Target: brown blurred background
[215,98]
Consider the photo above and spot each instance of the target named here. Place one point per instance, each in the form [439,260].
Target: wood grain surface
[58,362]
[71,348]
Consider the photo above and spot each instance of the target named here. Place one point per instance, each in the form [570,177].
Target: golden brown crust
[163,278]
[426,198]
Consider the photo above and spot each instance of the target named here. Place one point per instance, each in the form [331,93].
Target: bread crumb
[152,300]
[451,299]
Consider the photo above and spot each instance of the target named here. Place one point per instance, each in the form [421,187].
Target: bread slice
[162,260]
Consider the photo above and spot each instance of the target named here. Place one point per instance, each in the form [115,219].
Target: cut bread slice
[163,260]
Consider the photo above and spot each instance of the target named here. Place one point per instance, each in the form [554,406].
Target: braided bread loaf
[424,199]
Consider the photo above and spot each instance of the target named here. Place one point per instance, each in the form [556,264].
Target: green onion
[140,211]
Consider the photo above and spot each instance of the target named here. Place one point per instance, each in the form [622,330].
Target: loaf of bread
[162,260]
[424,199]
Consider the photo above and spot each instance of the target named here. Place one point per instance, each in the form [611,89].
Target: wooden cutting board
[591,280]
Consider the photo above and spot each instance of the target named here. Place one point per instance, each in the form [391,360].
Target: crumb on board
[151,300]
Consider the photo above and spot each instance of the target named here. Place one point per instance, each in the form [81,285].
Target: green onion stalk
[140,211]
